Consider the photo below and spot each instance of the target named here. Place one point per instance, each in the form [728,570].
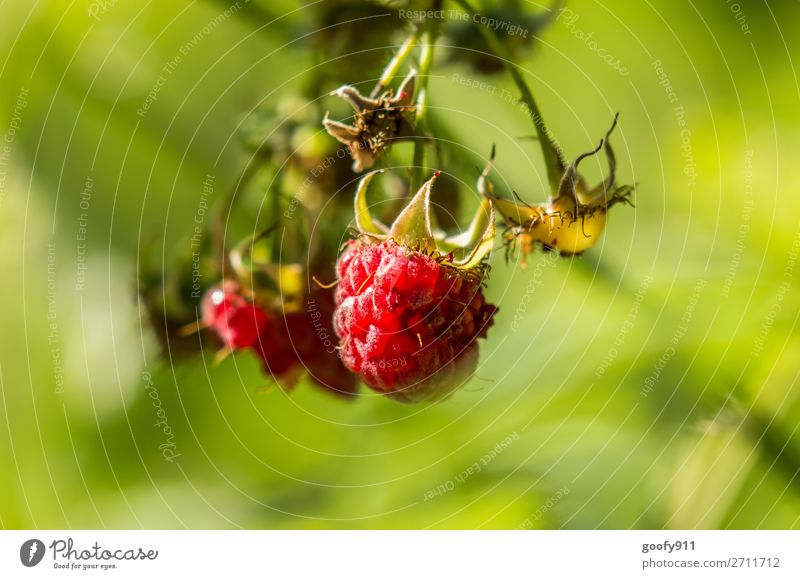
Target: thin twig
[429,35]
[550,150]
[394,65]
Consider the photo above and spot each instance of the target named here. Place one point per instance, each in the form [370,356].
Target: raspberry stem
[397,60]
[425,65]
[552,154]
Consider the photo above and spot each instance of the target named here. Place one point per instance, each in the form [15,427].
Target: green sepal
[477,241]
[413,226]
[515,213]
[364,221]
[567,197]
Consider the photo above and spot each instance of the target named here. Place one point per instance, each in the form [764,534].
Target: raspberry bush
[400,307]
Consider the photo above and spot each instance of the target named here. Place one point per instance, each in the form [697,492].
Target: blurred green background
[651,383]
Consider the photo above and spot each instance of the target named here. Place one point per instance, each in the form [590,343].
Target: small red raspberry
[408,323]
[276,353]
[301,342]
[288,344]
[237,321]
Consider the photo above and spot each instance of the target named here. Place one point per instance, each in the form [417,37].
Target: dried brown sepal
[377,122]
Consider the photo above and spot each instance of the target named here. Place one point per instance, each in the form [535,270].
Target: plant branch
[397,60]
[429,35]
[552,154]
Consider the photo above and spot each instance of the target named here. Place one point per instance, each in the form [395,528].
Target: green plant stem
[277,207]
[552,156]
[397,60]
[429,35]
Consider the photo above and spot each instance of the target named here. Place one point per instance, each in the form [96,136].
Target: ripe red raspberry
[276,353]
[288,344]
[237,321]
[408,323]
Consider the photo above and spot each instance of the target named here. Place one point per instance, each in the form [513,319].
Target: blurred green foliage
[693,293]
